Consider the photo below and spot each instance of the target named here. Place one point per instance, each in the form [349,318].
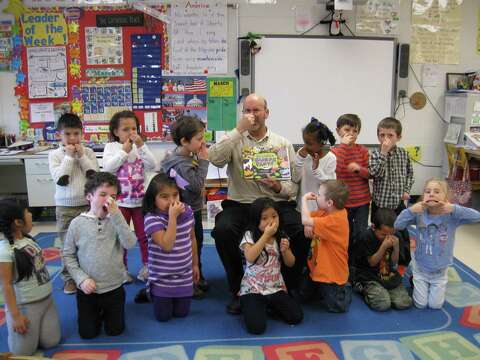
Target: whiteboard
[325,77]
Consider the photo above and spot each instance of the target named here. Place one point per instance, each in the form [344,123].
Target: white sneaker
[143,274]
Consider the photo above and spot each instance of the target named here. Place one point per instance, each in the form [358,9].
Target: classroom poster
[6,45]
[435,32]
[47,72]
[222,104]
[182,96]
[101,101]
[104,45]
[478,32]
[146,55]
[42,112]
[199,37]
[44,29]
[378,17]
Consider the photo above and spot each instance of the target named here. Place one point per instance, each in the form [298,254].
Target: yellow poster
[478,33]
[436,31]
[221,88]
[44,29]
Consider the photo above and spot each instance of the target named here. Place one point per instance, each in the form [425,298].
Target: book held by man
[263,162]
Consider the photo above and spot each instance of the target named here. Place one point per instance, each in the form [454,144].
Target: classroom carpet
[209,333]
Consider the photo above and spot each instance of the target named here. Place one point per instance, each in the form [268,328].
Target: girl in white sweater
[128,157]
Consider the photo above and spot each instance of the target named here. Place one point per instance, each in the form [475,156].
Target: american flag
[196,85]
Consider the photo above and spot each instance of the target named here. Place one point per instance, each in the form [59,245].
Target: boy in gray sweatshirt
[93,255]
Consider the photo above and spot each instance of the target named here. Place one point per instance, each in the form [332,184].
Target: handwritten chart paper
[47,72]
[199,37]
[436,32]
[378,17]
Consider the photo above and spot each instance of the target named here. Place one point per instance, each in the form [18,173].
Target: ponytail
[11,210]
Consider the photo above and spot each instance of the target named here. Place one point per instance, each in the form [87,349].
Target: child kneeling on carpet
[93,254]
[328,258]
[376,258]
[32,318]
[436,220]
[265,247]
[172,248]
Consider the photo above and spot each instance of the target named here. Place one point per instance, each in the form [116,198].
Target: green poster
[222,103]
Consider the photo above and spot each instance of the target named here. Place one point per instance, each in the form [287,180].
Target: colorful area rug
[209,333]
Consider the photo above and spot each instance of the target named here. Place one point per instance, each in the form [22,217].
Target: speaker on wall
[403,58]
[245,65]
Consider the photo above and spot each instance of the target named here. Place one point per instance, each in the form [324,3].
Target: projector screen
[325,77]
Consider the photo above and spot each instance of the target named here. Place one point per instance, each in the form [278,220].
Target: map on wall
[47,72]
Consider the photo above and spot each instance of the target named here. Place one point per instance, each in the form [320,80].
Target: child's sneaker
[143,274]
[69,287]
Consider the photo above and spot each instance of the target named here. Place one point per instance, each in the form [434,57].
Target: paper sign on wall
[44,29]
[42,112]
[222,104]
[47,72]
[199,37]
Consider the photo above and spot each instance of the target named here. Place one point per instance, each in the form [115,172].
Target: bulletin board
[92,70]
[98,60]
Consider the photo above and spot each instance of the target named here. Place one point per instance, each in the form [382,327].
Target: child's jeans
[429,287]
[335,298]
[166,307]
[135,214]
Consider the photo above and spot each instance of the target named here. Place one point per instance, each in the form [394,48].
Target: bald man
[230,224]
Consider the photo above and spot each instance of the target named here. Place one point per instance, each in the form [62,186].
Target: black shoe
[198,293]
[142,297]
[203,284]
[234,307]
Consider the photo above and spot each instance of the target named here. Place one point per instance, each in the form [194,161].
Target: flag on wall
[196,85]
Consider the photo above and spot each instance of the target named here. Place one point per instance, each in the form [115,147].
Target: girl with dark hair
[128,157]
[265,247]
[190,160]
[172,248]
[32,318]
[315,162]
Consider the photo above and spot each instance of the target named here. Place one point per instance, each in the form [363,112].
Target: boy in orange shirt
[328,258]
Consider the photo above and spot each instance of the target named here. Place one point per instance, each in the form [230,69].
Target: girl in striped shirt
[172,249]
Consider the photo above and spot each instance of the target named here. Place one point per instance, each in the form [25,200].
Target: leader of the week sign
[44,29]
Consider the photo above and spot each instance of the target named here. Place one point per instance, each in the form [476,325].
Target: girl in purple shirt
[172,249]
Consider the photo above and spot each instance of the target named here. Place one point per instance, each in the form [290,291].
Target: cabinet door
[41,190]
[36,166]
